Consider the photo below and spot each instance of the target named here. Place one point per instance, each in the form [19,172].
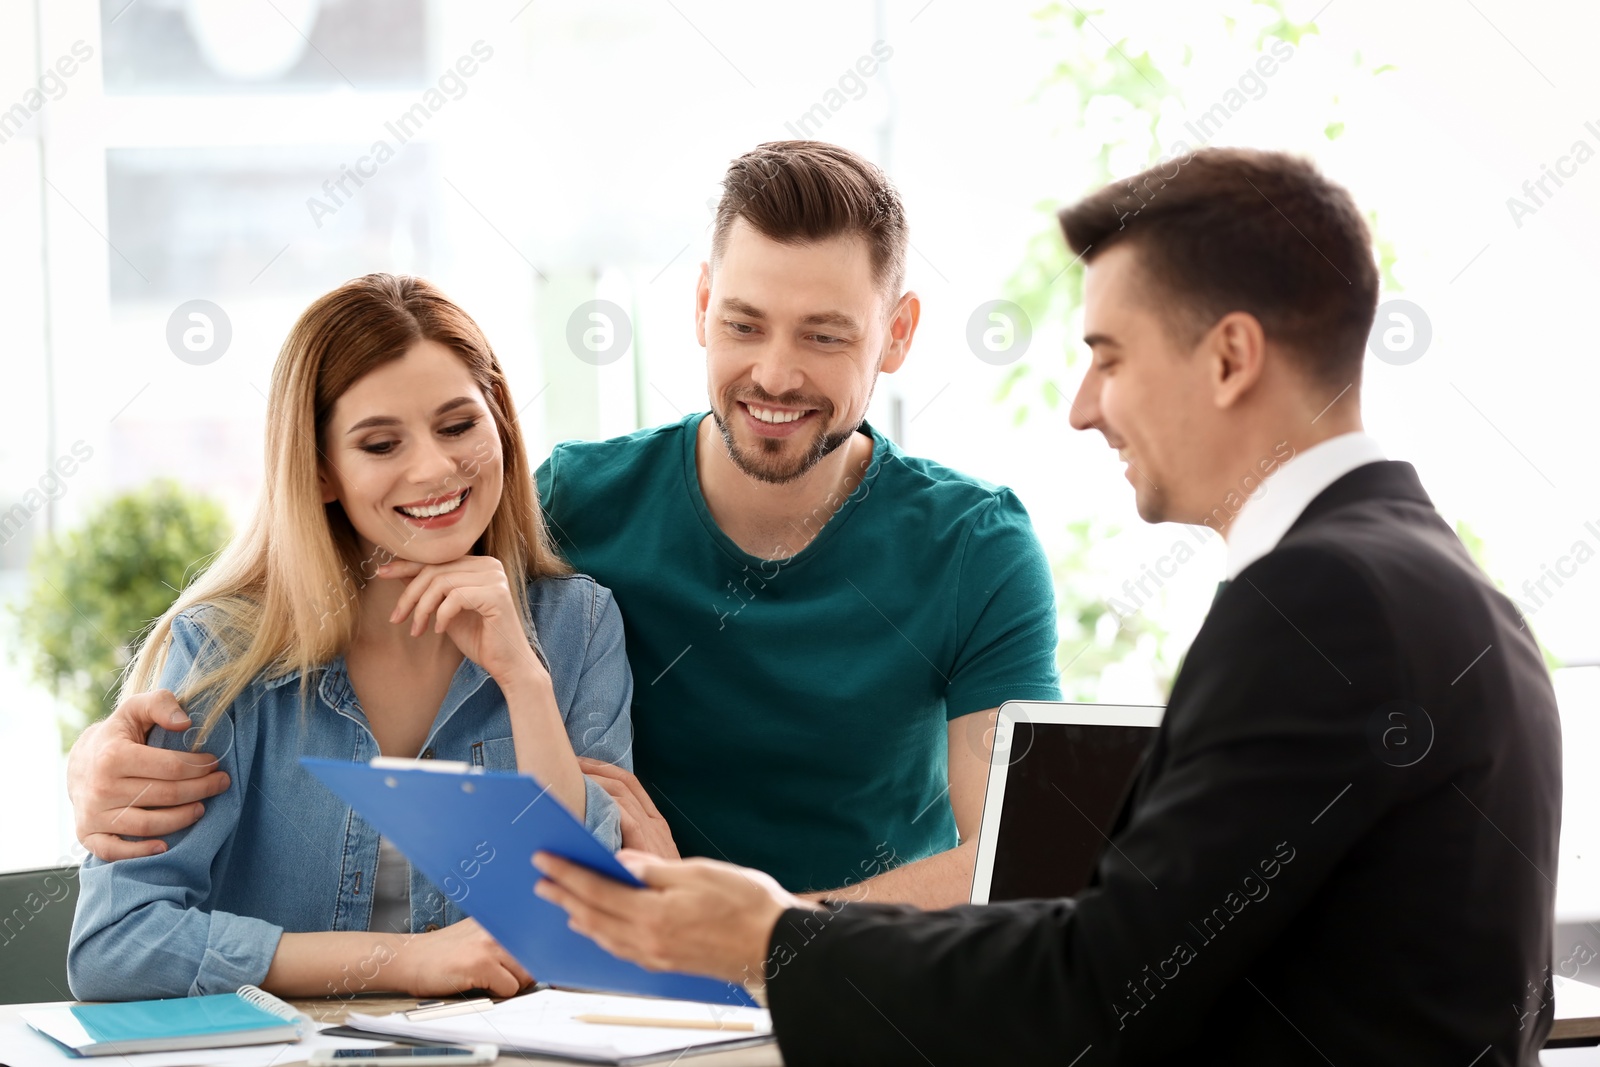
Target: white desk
[1577,1016]
[334,1011]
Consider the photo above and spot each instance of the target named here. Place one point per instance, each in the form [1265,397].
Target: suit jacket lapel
[1386,478]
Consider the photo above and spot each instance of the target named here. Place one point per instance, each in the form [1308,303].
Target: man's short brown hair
[1234,229]
[801,191]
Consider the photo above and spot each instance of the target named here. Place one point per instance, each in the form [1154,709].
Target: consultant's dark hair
[1234,229]
[801,191]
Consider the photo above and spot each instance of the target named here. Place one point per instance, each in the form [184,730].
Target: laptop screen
[1064,787]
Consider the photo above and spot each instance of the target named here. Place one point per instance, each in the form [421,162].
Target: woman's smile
[436,512]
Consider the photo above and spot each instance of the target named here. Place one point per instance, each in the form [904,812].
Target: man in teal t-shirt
[789,713]
[817,622]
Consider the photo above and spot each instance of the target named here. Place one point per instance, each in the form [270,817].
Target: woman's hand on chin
[470,600]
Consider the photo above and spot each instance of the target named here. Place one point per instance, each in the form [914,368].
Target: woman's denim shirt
[278,852]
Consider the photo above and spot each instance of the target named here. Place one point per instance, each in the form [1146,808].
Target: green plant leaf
[94,591]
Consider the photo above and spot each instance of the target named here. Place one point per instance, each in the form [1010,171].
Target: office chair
[35,922]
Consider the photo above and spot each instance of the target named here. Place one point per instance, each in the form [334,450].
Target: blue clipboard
[474,833]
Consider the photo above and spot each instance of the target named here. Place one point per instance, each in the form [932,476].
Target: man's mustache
[787,400]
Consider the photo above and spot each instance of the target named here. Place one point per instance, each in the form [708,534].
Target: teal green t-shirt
[790,714]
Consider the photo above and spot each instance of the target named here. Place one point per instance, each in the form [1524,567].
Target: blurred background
[179,178]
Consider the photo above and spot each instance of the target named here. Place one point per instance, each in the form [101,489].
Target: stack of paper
[545,1023]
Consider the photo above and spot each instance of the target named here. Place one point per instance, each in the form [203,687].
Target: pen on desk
[670,1024]
[443,1009]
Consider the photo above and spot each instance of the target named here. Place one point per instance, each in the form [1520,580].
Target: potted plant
[93,592]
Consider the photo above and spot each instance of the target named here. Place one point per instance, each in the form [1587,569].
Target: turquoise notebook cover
[248,1016]
[143,1020]
[474,835]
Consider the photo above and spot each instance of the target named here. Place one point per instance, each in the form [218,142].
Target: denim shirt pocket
[495,754]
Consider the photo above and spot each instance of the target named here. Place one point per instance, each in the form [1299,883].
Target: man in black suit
[1342,848]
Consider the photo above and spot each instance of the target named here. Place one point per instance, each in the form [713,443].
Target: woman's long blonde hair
[278,595]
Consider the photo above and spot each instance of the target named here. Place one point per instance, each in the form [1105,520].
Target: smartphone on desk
[406,1056]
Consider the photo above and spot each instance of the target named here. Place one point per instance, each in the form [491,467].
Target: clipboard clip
[440,766]
[443,1009]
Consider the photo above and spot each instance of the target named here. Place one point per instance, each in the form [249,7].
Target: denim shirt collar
[334,690]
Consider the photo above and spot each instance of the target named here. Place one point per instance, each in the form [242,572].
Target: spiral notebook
[249,1016]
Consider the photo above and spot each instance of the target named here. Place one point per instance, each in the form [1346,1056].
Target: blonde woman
[395,594]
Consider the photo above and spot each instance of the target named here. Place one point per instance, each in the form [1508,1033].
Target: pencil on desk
[671,1024]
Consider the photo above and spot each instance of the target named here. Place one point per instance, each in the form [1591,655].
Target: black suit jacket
[1342,849]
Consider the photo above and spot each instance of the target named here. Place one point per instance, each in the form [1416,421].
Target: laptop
[1058,774]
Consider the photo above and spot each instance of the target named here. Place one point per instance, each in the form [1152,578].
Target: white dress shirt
[1287,491]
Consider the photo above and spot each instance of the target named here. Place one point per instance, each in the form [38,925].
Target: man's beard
[765,462]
